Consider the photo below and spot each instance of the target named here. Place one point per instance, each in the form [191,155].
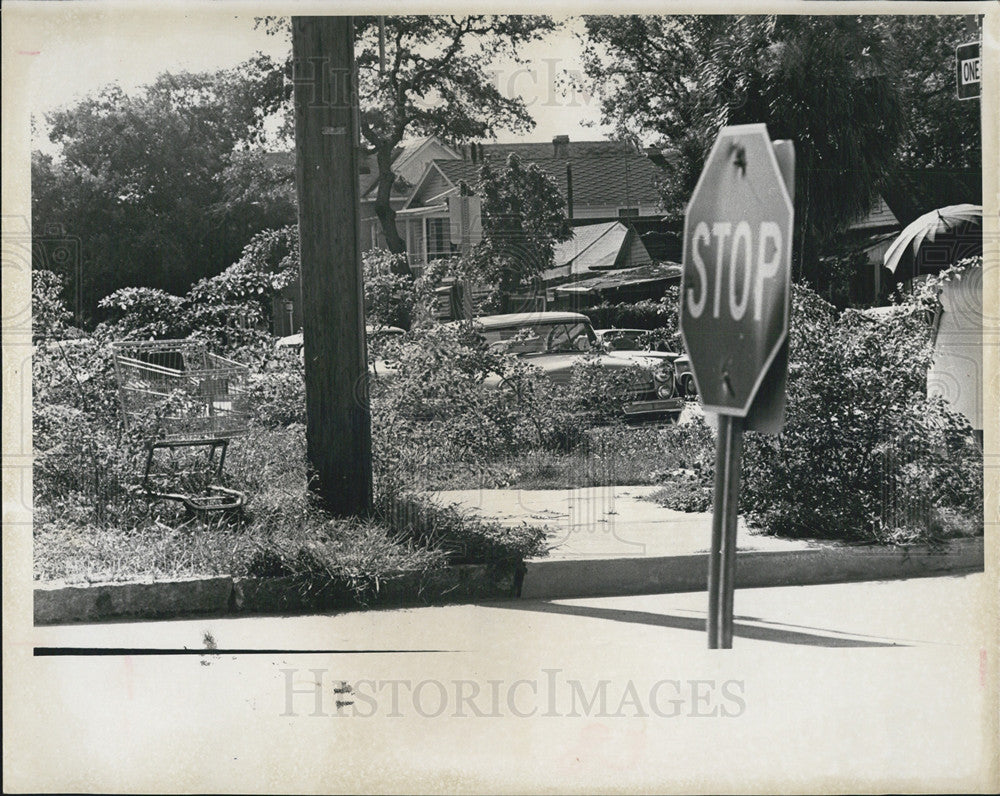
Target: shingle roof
[367,166]
[456,170]
[604,172]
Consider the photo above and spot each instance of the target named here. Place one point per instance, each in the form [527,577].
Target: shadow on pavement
[781,635]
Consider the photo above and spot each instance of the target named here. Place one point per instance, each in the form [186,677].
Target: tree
[826,82]
[430,75]
[435,81]
[523,218]
[146,183]
[940,158]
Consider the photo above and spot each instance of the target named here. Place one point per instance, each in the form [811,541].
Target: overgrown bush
[435,412]
[277,390]
[143,313]
[85,462]
[49,314]
[453,406]
[230,311]
[393,296]
[660,316]
[864,454]
[684,493]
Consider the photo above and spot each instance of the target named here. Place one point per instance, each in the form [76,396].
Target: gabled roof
[409,164]
[879,216]
[592,248]
[605,173]
[457,170]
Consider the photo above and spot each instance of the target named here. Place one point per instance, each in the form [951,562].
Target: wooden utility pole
[338,422]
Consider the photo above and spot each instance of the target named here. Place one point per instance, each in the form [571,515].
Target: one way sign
[968,69]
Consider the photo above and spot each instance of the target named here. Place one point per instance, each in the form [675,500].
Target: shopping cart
[181,398]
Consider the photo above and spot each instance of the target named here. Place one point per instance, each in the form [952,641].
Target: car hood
[559,367]
[647,358]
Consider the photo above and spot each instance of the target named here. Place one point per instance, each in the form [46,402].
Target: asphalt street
[881,684]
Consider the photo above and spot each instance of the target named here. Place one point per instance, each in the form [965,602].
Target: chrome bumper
[659,406]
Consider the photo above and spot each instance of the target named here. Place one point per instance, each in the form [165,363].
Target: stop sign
[735,287]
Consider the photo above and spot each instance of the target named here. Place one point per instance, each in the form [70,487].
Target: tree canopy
[940,158]
[431,75]
[154,186]
[861,97]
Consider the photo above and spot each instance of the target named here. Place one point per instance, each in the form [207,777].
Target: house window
[628,212]
[439,243]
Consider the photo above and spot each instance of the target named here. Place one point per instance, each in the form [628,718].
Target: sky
[76,54]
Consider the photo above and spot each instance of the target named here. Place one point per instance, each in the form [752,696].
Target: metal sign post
[722,556]
[735,305]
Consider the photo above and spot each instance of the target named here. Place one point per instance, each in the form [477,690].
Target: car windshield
[544,338]
[622,341]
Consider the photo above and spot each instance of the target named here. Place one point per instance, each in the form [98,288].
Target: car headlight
[663,373]
[665,391]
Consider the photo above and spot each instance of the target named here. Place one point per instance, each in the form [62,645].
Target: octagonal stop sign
[735,288]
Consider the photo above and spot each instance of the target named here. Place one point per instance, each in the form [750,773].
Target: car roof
[529,319]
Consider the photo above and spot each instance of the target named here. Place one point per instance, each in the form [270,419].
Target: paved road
[879,682]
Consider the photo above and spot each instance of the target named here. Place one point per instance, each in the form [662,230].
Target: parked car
[634,341]
[684,376]
[377,335]
[556,341]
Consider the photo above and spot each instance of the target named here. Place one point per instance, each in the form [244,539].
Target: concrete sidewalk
[605,541]
[599,522]
[610,541]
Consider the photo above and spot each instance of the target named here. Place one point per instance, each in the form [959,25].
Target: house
[865,242]
[409,164]
[601,181]
[610,184]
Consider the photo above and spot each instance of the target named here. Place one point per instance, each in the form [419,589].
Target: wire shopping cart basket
[182,397]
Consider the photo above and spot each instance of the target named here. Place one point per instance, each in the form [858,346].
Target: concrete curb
[568,578]
[57,603]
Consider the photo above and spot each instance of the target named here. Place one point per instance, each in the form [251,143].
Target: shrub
[394,297]
[862,447]
[658,315]
[434,412]
[233,309]
[85,462]
[230,311]
[142,313]
[276,389]
[49,314]
[684,494]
